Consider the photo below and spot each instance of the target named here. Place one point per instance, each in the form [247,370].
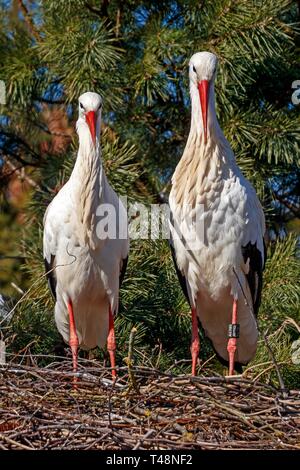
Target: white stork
[85,270]
[220,258]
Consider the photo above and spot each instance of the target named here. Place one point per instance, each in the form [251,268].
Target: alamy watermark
[150,222]
[296,94]
[2,92]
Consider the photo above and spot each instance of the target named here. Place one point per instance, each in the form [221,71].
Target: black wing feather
[123,271]
[50,272]
[181,277]
[254,276]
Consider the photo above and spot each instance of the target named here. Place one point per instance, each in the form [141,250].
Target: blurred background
[135,54]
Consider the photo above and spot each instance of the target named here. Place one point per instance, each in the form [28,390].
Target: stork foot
[111,344]
[73,342]
[233,334]
[195,346]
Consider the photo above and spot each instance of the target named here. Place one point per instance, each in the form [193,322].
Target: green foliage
[281,293]
[10,264]
[262,367]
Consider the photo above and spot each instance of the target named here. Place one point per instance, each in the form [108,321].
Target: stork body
[217,227]
[84,267]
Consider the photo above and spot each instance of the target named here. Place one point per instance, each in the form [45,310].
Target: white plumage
[87,268]
[216,257]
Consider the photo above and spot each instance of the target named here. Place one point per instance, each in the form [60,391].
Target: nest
[142,409]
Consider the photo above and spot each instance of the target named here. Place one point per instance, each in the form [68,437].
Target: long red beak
[203,88]
[91,121]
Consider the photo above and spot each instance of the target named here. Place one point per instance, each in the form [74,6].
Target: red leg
[195,346]
[73,342]
[233,335]
[111,343]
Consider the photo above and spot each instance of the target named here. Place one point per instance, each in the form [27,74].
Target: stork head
[203,66]
[90,105]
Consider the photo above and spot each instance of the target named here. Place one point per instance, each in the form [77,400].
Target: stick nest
[143,409]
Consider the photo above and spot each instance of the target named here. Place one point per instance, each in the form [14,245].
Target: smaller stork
[217,228]
[85,268]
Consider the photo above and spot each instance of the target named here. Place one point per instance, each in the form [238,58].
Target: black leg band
[234,330]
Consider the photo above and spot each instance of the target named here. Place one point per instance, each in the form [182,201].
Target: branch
[281,382]
[118,22]
[22,175]
[28,20]
[49,101]
[288,204]
[129,361]
[16,139]
[98,11]
[19,159]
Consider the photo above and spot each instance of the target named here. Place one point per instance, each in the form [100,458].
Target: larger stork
[85,267]
[217,229]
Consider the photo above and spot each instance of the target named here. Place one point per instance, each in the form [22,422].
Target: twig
[281,382]
[39,410]
[14,443]
[148,434]
[28,20]
[32,286]
[18,289]
[118,22]
[129,361]
[21,174]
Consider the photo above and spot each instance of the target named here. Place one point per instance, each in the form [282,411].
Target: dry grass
[143,409]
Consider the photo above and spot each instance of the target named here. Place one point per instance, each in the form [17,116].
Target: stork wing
[253,256]
[122,274]
[50,273]
[123,270]
[253,246]
[53,221]
[181,277]
[49,248]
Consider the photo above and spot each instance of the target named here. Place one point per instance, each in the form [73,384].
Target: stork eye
[99,107]
[81,106]
[194,69]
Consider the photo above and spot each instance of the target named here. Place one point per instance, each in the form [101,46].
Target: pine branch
[118,22]
[48,100]
[295,209]
[103,11]
[28,20]
[281,382]
[21,174]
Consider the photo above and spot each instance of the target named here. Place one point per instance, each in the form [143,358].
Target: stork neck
[88,182]
[214,131]
[87,169]
[202,163]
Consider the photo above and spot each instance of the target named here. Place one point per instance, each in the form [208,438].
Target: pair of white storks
[219,266]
